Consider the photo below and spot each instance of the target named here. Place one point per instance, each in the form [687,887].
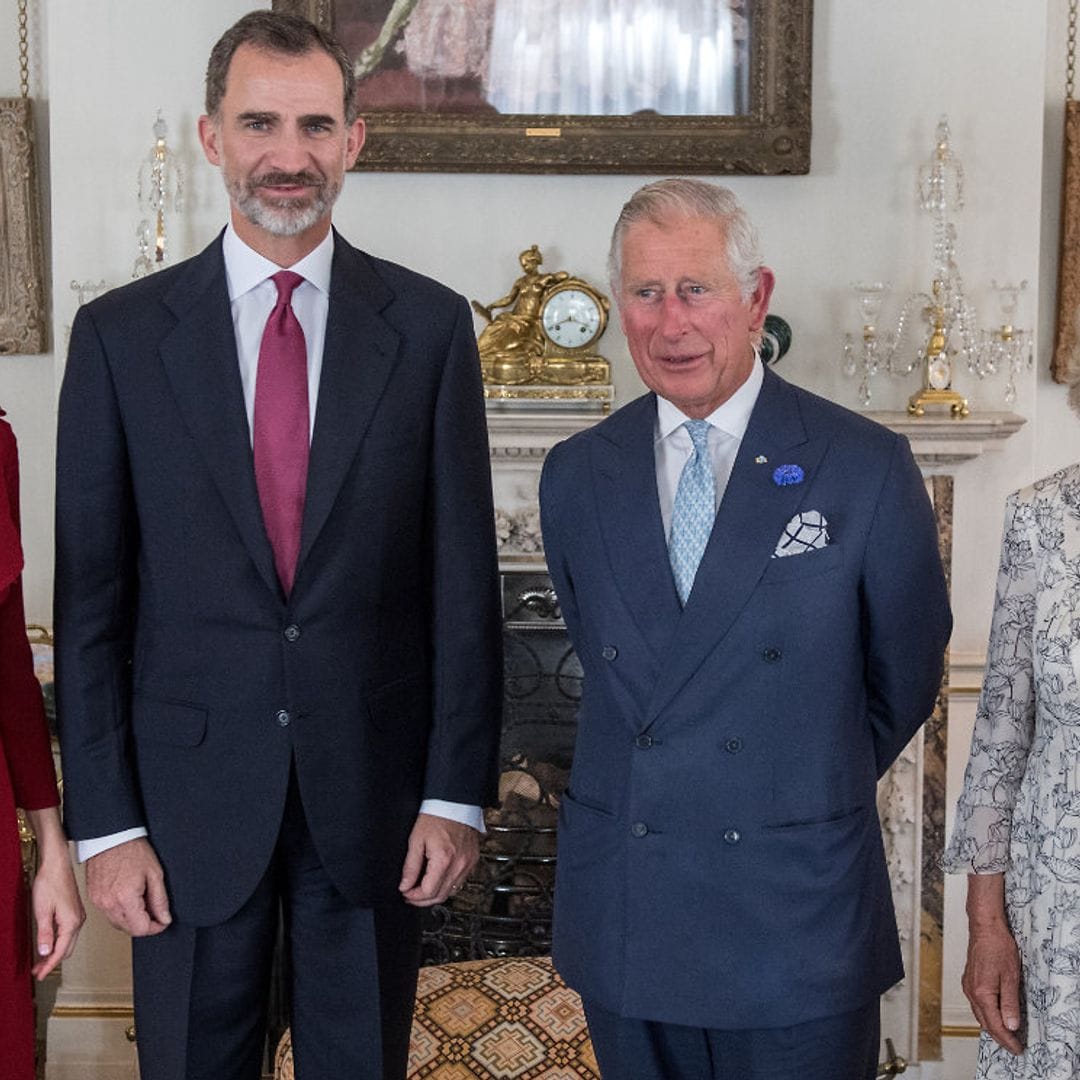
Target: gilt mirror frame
[1065,361]
[771,137]
[23,304]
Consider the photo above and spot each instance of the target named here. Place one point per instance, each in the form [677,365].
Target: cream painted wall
[883,73]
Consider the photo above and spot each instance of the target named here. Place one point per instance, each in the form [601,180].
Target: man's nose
[288,152]
[673,316]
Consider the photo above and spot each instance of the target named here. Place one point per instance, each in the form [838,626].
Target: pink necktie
[281,428]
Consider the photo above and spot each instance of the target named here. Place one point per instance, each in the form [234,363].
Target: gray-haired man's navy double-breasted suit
[720,858]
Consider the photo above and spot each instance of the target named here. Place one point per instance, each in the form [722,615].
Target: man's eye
[318,129]
[646,294]
[696,290]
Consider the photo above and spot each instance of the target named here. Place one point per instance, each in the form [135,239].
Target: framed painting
[578,86]
[22,261]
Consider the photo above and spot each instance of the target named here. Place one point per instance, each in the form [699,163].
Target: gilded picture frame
[23,323]
[1065,362]
[771,135]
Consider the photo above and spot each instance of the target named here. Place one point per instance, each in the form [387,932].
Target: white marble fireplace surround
[911,797]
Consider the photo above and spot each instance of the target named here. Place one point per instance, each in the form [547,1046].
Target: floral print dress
[1019,812]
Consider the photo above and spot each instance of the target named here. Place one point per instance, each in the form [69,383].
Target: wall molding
[965,673]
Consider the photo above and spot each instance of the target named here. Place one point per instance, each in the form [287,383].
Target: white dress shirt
[673,446]
[252,296]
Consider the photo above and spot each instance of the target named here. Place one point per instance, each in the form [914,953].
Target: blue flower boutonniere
[783,475]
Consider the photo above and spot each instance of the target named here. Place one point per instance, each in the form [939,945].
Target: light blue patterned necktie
[694,510]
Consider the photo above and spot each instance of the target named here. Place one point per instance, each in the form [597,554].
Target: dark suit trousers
[201,992]
[834,1048]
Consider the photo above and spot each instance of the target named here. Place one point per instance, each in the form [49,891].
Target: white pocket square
[805,532]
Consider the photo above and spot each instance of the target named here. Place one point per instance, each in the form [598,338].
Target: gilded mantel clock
[542,347]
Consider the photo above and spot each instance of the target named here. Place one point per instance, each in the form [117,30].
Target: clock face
[940,372]
[572,318]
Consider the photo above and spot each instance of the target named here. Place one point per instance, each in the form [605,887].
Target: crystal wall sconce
[161,188]
[944,336]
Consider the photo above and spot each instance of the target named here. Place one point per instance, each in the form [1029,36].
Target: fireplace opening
[504,909]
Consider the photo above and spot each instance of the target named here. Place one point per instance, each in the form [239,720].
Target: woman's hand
[991,979]
[55,901]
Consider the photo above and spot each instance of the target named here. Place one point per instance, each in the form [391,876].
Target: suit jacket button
[771,654]
[639,829]
[733,745]
[292,632]
[643,742]
[283,718]
[731,836]
[609,652]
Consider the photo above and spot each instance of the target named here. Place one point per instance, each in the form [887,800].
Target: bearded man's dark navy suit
[720,858]
[189,685]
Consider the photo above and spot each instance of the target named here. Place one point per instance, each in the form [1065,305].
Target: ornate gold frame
[773,137]
[1065,363]
[22,262]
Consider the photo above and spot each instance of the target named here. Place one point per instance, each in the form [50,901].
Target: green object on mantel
[775,338]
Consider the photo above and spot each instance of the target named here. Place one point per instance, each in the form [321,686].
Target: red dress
[27,777]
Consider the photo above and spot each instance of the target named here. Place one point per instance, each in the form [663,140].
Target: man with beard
[273,520]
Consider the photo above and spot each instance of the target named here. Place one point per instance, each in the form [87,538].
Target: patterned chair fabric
[510,1018]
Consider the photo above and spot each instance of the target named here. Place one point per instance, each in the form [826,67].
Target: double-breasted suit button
[732,836]
[639,829]
[283,718]
[292,632]
[609,652]
[733,745]
[771,654]
[643,742]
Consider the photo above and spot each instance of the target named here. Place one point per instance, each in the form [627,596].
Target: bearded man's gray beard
[283,217]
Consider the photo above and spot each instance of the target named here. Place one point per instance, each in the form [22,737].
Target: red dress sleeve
[24,736]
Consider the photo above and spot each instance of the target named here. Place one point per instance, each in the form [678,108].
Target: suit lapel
[751,518]
[624,464]
[358,356]
[199,357]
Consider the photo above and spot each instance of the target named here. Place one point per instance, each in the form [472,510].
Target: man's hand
[127,883]
[991,983]
[441,854]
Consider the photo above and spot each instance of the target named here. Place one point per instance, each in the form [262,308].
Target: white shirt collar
[732,416]
[245,268]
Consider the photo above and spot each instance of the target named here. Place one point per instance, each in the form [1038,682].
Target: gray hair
[680,197]
[274,31]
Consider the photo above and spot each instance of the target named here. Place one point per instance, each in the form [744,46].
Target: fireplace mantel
[520,440]
[942,440]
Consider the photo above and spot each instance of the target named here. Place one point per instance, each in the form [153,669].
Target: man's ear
[355,142]
[208,136]
[759,299]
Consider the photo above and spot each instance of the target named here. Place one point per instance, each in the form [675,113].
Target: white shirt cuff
[87,849]
[454,811]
